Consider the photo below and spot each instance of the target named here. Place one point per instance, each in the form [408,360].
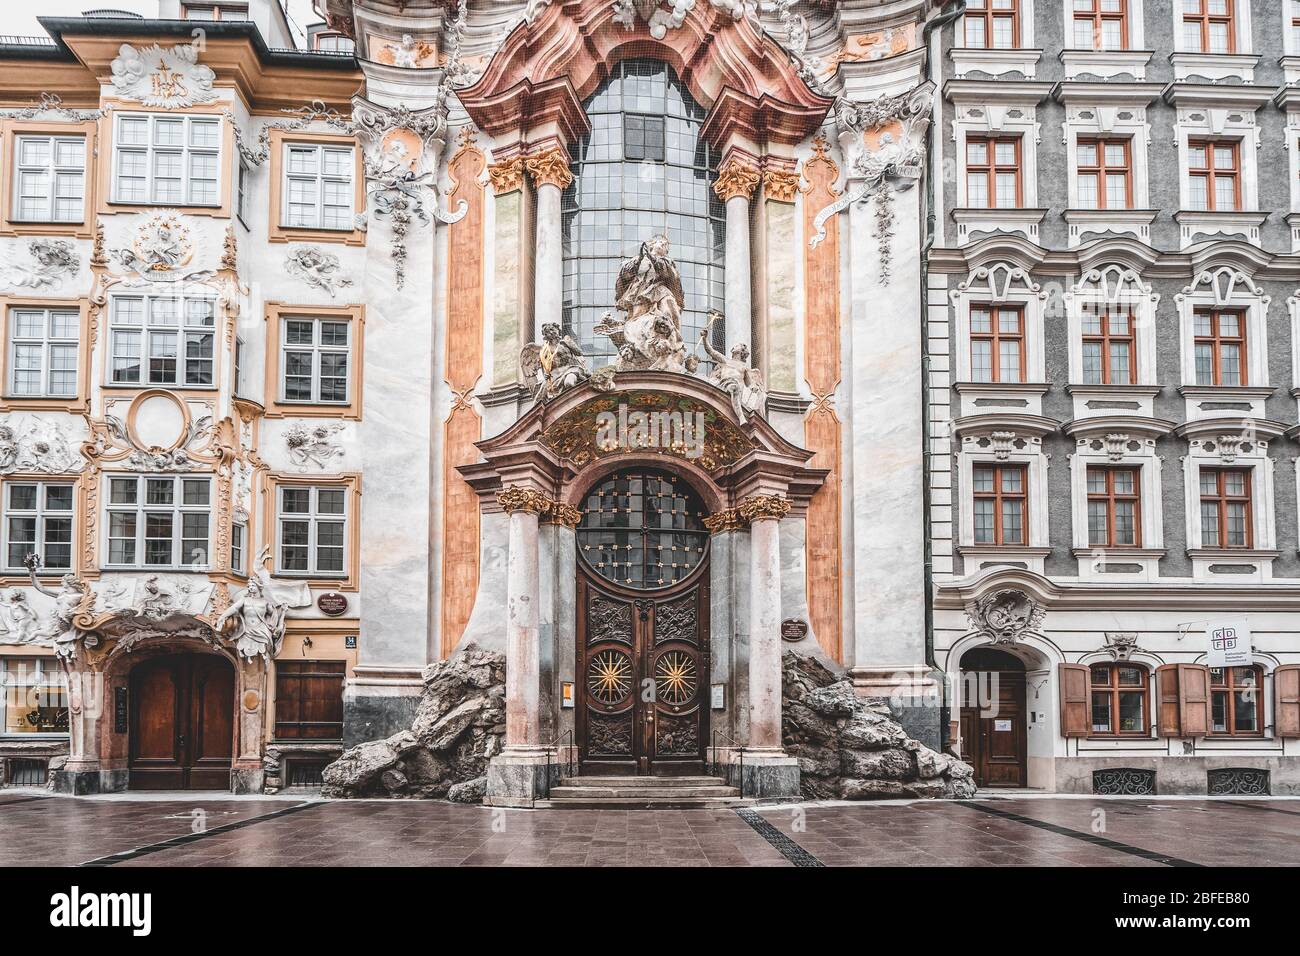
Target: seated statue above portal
[649,294]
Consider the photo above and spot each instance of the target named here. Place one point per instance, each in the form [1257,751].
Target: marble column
[549,172]
[768,771]
[515,776]
[736,183]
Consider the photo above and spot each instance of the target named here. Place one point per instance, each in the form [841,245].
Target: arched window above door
[643,169]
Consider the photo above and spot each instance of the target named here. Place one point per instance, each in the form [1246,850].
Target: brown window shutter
[1167,720]
[1286,700]
[1075,721]
[1194,699]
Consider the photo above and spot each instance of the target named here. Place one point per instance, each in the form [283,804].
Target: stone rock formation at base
[459,725]
[851,748]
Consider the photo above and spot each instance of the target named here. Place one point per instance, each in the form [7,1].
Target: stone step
[669,783]
[646,803]
[588,791]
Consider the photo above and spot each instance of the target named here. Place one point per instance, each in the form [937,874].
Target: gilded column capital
[561,514]
[759,507]
[550,168]
[507,176]
[780,185]
[729,520]
[528,500]
[736,179]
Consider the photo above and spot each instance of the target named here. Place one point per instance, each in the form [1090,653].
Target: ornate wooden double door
[182,723]
[643,628]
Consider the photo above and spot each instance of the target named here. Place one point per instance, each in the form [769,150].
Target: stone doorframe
[537,473]
[98,681]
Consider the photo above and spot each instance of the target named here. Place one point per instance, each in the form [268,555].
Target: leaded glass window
[643,169]
[642,529]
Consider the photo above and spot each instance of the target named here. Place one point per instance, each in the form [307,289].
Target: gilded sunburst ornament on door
[675,677]
[609,677]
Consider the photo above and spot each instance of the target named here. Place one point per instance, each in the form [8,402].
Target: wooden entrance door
[643,627]
[182,723]
[642,705]
[996,745]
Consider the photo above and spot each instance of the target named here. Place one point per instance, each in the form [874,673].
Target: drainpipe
[950,12]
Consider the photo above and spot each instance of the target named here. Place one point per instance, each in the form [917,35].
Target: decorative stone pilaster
[736,183]
[550,175]
[780,185]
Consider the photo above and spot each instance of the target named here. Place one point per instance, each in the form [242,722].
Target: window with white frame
[993,172]
[38,520]
[1112,328]
[1225,497]
[49,178]
[318,186]
[1003,494]
[167,160]
[43,349]
[1224,331]
[313,521]
[1292,12]
[996,149]
[314,360]
[1214,175]
[162,340]
[158,522]
[1105,173]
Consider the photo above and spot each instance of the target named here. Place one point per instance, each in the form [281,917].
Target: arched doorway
[993,720]
[181,728]
[643,626]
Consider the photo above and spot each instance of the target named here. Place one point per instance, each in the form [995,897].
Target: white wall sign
[1229,643]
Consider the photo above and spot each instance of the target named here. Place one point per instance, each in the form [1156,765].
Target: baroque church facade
[643,343]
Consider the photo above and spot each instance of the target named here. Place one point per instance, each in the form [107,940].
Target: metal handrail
[553,747]
[736,749]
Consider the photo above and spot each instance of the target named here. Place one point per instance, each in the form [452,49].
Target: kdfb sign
[1229,643]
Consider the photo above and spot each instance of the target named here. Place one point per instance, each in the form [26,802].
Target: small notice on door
[1002,726]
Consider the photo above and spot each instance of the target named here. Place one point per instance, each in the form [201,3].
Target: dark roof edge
[56,27]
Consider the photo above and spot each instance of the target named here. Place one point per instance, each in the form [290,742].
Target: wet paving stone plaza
[37,829]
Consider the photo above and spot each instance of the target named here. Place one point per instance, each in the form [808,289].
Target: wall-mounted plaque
[350,642]
[333,603]
[119,710]
[793,630]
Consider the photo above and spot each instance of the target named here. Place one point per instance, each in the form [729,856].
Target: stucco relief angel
[649,293]
[259,611]
[59,629]
[554,365]
[17,618]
